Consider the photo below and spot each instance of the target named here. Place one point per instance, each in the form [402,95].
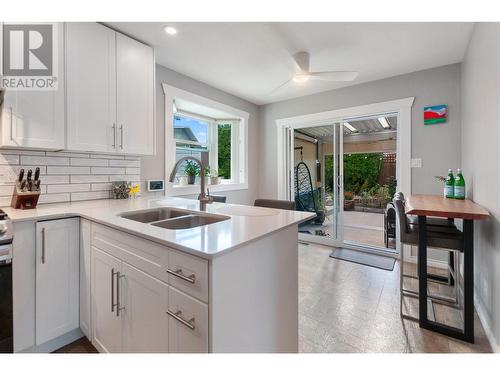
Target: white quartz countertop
[246,223]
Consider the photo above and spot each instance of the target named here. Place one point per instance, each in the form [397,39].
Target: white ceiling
[250,60]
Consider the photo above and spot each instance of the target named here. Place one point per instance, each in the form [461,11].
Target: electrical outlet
[416,163]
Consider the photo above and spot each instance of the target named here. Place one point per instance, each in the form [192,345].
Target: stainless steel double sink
[173,218]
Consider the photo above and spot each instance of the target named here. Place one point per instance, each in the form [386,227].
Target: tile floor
[350,308]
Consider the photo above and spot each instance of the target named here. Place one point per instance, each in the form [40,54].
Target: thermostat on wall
[156,185]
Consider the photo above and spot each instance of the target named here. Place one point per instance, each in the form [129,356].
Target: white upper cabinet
[135,95]
[104,101]
[90,87]
[35,119]
[110,84]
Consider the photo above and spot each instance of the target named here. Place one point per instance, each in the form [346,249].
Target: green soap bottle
[459,185]
[449,185]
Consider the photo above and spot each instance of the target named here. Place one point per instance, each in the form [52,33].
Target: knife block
[24,199]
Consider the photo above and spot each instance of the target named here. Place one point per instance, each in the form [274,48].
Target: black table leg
[468,233]
[467,334]
[422,271]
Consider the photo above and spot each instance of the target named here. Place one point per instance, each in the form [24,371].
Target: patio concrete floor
[359,227]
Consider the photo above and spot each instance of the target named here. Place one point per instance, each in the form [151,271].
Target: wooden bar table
[468,211]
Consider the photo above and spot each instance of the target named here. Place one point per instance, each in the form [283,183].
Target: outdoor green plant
[224,150]
[348,195]
[392,184]
[191,168]
[361,171]
[320,205]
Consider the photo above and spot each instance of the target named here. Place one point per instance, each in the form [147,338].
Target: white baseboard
[56,343]
[430,262]
[486,326]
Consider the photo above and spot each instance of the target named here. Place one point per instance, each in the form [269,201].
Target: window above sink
[213,132]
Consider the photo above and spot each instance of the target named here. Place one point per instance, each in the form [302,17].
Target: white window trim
[172,93]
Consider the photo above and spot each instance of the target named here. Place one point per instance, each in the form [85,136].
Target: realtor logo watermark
[28,59]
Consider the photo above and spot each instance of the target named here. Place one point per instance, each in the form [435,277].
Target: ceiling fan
[304,74]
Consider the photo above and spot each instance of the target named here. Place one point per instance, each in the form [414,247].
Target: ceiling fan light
[301,78]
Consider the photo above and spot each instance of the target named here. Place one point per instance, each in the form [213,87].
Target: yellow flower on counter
[134,190]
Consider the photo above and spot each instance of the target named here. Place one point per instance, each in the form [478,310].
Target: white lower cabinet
[107,326]
[187,324]
[146,298]
[129,307]
[57,278]
[144,319]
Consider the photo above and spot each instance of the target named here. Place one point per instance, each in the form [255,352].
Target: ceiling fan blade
[280,87]
[334,76]
[302,60]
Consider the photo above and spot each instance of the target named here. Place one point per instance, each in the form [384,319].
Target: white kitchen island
[230,286]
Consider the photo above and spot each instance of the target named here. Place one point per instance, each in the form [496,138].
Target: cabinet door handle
[118,307]
[190,279]
[112,290]
[43,245]
[121,136]
[178,316]
[114,134]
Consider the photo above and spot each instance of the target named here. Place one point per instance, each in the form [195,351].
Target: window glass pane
[224,150]
[191,130]
[191,139]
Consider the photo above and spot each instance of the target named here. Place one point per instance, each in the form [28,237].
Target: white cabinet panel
[106,324]
[85,269]
[35,119]
[57,278]
[135,96]
[91,87]
[188,330]
[145,319]
[23,284]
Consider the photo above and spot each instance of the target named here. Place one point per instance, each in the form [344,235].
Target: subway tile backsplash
[67,176]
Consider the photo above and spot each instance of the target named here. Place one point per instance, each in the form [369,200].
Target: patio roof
[365,126]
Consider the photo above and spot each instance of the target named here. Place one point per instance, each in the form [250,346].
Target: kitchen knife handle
[37,173]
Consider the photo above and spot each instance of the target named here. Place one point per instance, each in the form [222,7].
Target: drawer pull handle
[178,316]
[190,279]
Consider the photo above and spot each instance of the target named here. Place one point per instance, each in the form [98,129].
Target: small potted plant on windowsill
[191,170]
[214,177]
[348,201]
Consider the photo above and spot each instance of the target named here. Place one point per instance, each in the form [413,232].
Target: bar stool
[441,234]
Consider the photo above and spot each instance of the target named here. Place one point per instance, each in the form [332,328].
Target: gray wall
[480,159]
[438,145]
[153,167]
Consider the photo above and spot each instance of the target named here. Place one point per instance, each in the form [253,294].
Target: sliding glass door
[315,183]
